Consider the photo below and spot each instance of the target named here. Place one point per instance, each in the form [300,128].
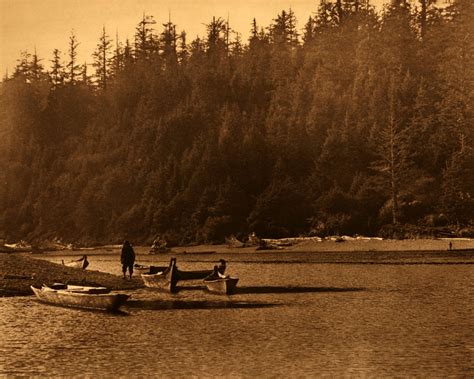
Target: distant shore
[340,244]
[296,244]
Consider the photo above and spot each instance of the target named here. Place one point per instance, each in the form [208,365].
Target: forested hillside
[348,122]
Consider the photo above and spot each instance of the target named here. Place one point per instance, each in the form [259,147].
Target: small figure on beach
[127,258]
[450,245]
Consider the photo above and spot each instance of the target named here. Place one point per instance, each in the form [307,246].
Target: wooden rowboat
[222,286]
[168,278]
[98,298]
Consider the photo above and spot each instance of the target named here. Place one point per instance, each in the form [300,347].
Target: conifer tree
[73,68]
[117,60]
[253,32]
[37,70]
[85,78]
[168,42]
[390,142]
[183,48]
[216,36]
[128,57]
[283,30]
[102,60]
[22,69]
[57,70]
[309,30]
[458,187]
[145,41]
[325,17]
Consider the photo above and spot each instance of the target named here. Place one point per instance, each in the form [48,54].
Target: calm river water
[293,316]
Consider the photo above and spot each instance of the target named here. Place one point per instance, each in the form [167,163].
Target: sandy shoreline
[20,270]
[300,245]
[327,245]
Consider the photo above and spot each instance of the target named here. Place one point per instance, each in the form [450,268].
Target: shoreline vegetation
[19,269]
[351,121]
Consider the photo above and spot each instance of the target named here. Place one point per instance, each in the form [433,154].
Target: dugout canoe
[98,298]
[147,269]
[78,263]
[222,286]
[168,278]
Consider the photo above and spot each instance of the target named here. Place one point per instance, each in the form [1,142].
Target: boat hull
[73,264]
[144,269]
[167,279]
[222,286]
[81,299]
[162,281]
[193,275]
[80,263]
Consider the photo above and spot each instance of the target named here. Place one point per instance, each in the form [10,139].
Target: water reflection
[160,304]
[118,312]
[286,320]
[281,289]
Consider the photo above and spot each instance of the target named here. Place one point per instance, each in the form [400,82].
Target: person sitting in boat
[127,258]
[85,262]
[222,266]
[216,274]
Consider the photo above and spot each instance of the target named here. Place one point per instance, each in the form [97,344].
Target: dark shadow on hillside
[280,289]
[197,304]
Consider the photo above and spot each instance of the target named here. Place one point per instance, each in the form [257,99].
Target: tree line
[361,122]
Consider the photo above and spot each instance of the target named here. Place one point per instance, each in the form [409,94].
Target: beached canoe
[98,298]
[222,286]
[79,263]
[168,278]
[163,280]
[147,269]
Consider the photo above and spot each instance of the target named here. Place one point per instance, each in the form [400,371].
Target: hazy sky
[47,24]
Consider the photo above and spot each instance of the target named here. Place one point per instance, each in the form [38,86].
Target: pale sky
[47,24]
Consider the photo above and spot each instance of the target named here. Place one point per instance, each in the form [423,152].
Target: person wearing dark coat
[222,266]
[127,259]
[85,262]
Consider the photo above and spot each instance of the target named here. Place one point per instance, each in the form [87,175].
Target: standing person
[127,259]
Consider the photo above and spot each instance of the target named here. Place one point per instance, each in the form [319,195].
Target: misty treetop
[355,123]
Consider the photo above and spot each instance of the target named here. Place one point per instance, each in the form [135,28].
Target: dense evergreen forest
[357,122]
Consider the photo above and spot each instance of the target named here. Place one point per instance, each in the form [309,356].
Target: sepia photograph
[237,189]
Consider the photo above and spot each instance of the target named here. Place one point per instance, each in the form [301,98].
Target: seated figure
[222,266]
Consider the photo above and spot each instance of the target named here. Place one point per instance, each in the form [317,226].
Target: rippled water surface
[298,318]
